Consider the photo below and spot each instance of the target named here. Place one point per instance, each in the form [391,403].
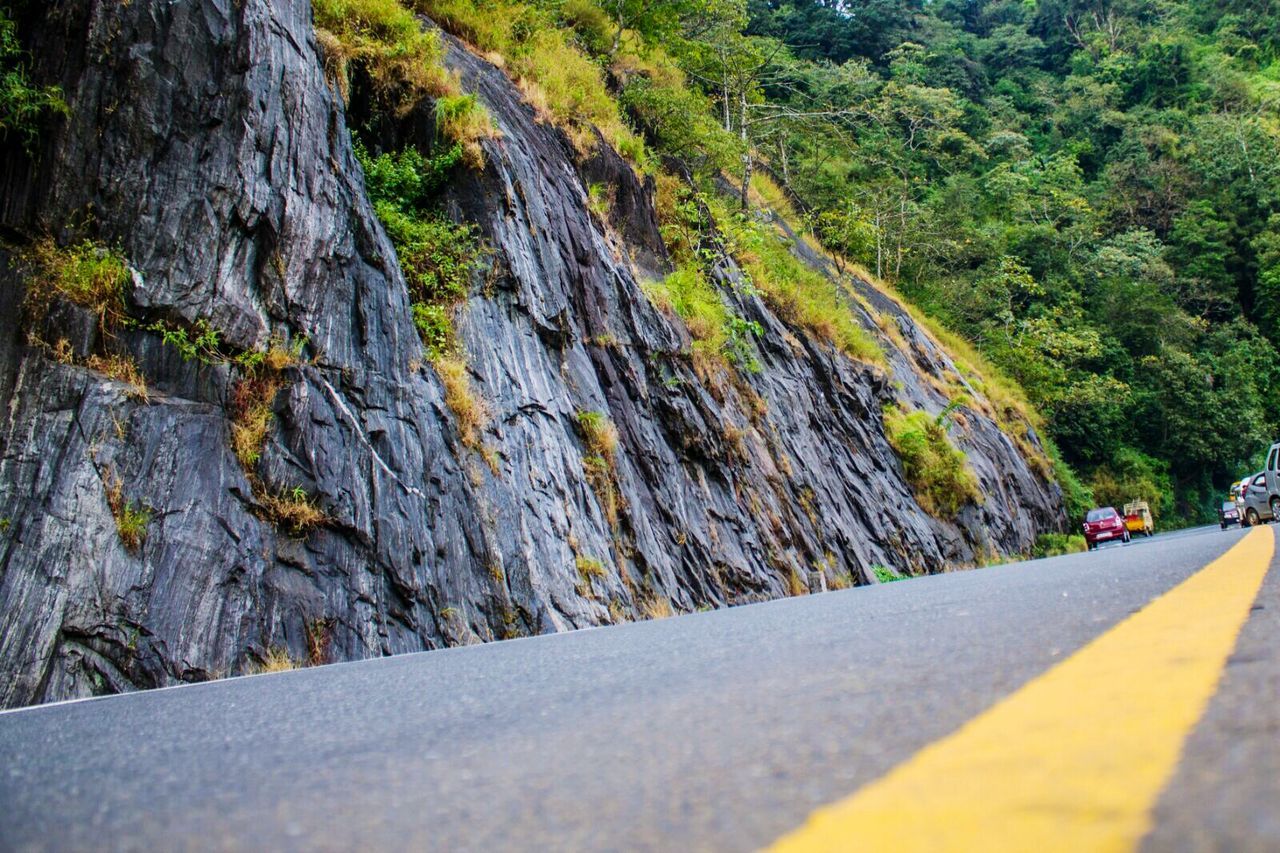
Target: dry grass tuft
[656,607]
[252,399]
[275,659]
[292,511]
[123,369]
[599,435]
[600,438]
[795,586]
[468,409]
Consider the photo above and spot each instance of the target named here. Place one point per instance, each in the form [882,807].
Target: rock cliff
[204,142]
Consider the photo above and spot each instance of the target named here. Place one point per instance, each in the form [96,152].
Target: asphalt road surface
[723,730]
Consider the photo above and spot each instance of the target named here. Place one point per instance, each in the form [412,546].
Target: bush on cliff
[935,468]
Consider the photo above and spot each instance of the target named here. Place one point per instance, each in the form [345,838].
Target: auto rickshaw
[1137,518]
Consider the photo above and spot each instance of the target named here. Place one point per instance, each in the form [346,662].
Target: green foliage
[1057,544]
[200,343]
[464,121]
[718,333]
[437,256]
[884,574]
[85,274]
[22,104]
[435,327]
[678,119]
[1077,498]
[560,83]
[406,178]
[1089,199]
[386,42]
[795,291]
[934,466]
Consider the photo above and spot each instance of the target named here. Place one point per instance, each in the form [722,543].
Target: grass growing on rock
[936,468]
[86,274]
[387,42]
[121,368]
[563,86]
[796,292]
[437,256]
[589,569]
[251,409]
[600,439]
[463,120]
[884,574]
[274,659]
[293,511]
[469,411]
[131,520]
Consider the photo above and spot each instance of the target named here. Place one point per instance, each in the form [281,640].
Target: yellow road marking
[1075,759]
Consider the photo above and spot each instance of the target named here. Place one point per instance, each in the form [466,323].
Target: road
[726,730]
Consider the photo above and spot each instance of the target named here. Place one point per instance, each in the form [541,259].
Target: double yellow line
[1075,759]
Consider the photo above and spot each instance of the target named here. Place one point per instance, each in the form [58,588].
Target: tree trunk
[747,162]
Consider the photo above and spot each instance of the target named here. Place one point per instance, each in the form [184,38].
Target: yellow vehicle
[1137,518]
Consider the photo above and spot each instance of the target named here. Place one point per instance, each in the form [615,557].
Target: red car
[1104,524]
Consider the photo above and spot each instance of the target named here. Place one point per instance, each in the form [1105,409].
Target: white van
[1262,494]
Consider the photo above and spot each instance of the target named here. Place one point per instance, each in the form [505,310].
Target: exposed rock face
[204,142]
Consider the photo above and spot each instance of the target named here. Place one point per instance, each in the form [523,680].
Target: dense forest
[1089,191]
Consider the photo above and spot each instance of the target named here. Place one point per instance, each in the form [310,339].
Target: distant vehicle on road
[1137,518]
[1104,524]
[1228,514]
[1260,503]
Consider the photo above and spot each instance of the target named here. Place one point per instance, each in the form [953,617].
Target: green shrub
[679,123]
[718,333]
[199,343]
[406,178]
[463,120]
[387,42]
[1056,544]
[934,466]
[437,255]
[884,574]
[435,327]
[21,104]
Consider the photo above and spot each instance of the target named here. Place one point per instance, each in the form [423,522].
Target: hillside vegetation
[1085,193]
[1088,191]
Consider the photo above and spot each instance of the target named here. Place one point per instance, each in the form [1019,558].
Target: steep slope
[204,141]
